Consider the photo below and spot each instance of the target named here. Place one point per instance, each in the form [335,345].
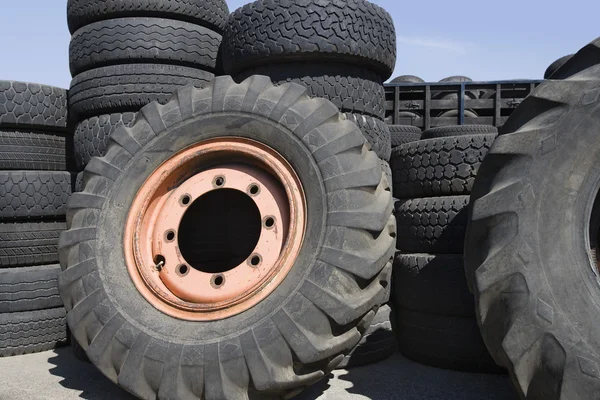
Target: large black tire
[29,243]
[459,130]
[29,288]
[407,79]
[530,249]
[209,13]
[40,150]
[445,166]
[274,31]
[32,331]
[434,225]
[376,132]
[432,284]
[32,106]
[403,134]
[127,88]
[303,329]
[552,68]
[143,40]
[443,342]
[34,194]
[351,89]
[91,136]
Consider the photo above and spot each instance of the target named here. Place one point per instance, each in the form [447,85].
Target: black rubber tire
[34,194]
[127,88]
[459,130]
[434,225]
[275,31]
[32,331]
[26,106]
[403,134]
[432,284]
[352,238]
[444,342]
[552,68]
[32,150]
[351,89]
[29,243]
[378,343]
[143,40]
[407,79]
[528,254]
[29,288]
[456,78]
[376,132]
[91,136]
[446,166]
[212,14]
[453,95]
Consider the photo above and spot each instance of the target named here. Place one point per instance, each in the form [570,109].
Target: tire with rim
[531,249]
[272,342]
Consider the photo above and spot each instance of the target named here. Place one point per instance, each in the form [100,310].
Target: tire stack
[35,186]
[435,311]
[126,54]
[340,51]
[453,96]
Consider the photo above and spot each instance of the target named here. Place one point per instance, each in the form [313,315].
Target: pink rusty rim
[154,261]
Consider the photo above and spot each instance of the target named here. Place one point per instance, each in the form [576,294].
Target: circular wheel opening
[219,231]
[594,233]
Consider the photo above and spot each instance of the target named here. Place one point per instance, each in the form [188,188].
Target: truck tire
[433,225]
[532,240]
[29,288]
[211,14]
[125,40]
[552,68]
[407,79]
[29,243]
[127,88]
[403,134]
[41,150]
[275,341]
[445,166]
[459,130]
[376,132]
[310,31]
[32,331]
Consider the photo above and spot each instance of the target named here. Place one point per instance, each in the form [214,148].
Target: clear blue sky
[483,39]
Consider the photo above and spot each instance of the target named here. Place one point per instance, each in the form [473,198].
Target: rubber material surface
[29,243]
[29,288]
[552,68]
[32,331]
[407,79]
[376,132]
[403,134]
[275,31]
[459,130]
[32,150]
[143,40]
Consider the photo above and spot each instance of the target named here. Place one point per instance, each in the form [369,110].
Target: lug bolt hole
[182,270]
[159,262]
[253,190]
[219,181]
[269,222]
[185,200]
[254,260]
[217,281]
[170,236]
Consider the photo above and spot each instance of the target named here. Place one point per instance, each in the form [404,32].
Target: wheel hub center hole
[219,231]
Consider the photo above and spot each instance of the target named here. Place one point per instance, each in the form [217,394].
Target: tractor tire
[376,132]
[304,322]
[552,68]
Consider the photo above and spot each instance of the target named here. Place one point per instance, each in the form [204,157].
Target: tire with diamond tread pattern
[143,40]
[29,243]
[212,14]
[33,150]
[376,132]
[446,166]
[351,89]
[310,31]
[459,130]
[403,134]
[32,331]
[310,321]
[29,288]
[127,88]
[532,232]
[434,225]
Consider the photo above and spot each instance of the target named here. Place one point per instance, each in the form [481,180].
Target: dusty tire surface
[126,40]
[209,13]
[256,352]
[376,132]
[529,255]
[459,130]
[29,288]
[403,134]
[41,150]
[552,68]
[309,31]
[29,243]
[32,331]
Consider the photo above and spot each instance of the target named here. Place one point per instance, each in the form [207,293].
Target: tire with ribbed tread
[403,134]
[32,331]
[29,243]
[459,130]
[34,150]
[29,288]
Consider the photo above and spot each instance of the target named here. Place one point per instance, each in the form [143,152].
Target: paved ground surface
[58,376]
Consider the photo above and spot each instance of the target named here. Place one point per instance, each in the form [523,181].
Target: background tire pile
[126,54]
[35,186]
[433,178]
[342,52]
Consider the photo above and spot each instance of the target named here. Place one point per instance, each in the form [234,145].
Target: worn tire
[127,88]
[310,31]
[208,13]
[434,225]
[432,284]
[407,79]
[351,89]
[552,68]
[459,130]
[376,132]
[258,350]
[443,342]
[32,331]
[529,246]
[29,288]
[446,166]
[143,40]
[29,243]
[92,135]
[403,134]
[38,150]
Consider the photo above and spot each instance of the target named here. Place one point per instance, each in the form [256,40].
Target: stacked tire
[126,54]
[35,186]
[435,311]
[453,96]
[340,51]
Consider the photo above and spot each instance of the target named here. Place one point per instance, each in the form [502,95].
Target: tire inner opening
[594,233]
[219,231]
